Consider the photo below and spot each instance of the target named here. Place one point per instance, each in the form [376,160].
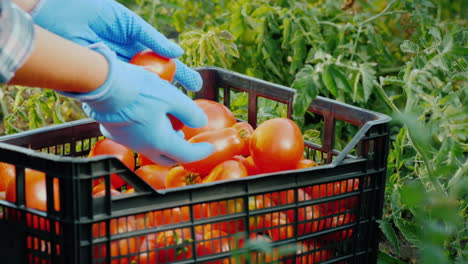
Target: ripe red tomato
[178,176]
[333,188]
[124,224]
[305,254]
[339,205]
[222,208]
[143,160]
[121,248]
[7,174]
[307,215]
[165,68]
[124,247]
[336,221]
[275,224]
[181,238]
[306,163]
[249,164]
[103,193]
[258,223]
[227,170]
[154,175]
[166,247]
[278,226]
[153,62]
[100,190]
[214,242]
[245,132]
[227,144]
[176,123]
[219,116]
[35,191]
[109,147]
[174,215]
[277,145]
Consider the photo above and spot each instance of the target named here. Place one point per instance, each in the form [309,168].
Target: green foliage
[26,108]
[406,58]
[426,189]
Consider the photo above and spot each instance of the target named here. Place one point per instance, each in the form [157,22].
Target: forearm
[59,64]
[26,5]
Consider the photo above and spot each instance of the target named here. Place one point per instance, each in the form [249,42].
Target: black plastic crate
[85,229]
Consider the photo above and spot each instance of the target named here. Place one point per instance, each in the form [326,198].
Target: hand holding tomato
[131,107]
[165,68]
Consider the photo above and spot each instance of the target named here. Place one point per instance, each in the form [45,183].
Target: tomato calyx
[192,178]
[243,133]
[180,244]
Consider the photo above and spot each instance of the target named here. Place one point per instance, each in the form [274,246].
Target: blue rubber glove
[132,107]
[87,22]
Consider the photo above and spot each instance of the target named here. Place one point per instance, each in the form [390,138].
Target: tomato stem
[192,178]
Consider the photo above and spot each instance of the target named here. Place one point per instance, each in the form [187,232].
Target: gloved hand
[132,107]
[88,22]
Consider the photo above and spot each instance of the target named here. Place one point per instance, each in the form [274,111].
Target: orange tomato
[305,215]
[35,191]
[7,174]
[109,147]
[245,132]
[305,163]
[178,176]
[154,175]
[227,170]
[249,164]
[214,242]
[165,68]
[153,62]
[227,144]
[143,160]
[219,116]
[277,145]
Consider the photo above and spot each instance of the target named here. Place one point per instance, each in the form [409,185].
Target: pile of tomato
[240,151]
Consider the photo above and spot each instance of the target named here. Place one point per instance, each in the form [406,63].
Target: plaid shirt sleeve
[16,39]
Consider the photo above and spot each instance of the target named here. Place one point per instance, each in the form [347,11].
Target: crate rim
[378,118]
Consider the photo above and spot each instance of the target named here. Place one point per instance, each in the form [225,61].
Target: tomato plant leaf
[409,47]
[299,52]
[435,32]
[306,91]
[385,258]
[341,81]
[287,29]
[390,234]
[327,77]
[409,229]
[368,79]
[461,51]
[57,113]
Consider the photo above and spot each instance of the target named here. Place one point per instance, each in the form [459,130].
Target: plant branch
[384,12]
[430,170]
[389,102]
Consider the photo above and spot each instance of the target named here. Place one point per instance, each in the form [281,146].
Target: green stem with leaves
[425,157]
